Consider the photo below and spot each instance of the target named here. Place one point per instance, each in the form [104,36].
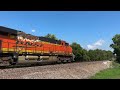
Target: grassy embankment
[111,73]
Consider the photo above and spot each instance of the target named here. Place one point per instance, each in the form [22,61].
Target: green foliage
[100,54]
[91,55]
[111,73]
[52,36]
[115,64]
[77,51]
[116,46]
[85,55]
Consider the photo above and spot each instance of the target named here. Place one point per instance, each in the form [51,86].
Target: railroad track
[32,64]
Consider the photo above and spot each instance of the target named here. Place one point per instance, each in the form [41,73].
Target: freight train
[16,46]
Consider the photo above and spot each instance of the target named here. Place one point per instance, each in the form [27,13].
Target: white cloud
[96,44]
[91,46]
[99,42]
[33,30]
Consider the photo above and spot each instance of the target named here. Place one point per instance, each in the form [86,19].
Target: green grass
[111,73]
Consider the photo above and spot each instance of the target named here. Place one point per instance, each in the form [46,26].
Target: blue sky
[91,29]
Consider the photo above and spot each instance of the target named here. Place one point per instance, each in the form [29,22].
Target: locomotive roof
[49,40]
[8,30]
[17,32]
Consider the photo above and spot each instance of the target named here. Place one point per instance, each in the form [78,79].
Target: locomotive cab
[7,44]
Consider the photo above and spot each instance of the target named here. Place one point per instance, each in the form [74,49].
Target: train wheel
[69,61]
[59,61]
[13,61]
[64,61]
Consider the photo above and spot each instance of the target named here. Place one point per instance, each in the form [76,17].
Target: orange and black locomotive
[16,46]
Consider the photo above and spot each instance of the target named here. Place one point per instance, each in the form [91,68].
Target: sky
[90,29]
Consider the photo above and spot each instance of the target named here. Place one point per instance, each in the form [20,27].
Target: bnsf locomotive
[17,46]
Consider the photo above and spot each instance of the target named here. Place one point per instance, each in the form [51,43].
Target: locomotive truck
[17,46]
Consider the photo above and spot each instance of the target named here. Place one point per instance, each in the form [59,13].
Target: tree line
[82,54]
[90,55]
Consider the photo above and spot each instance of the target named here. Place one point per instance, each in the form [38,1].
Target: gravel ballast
[79,70]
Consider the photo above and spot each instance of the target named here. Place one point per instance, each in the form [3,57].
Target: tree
[77,51]
[52,36]
[91,54]
[85,55]
[110,55]
[116,46]
[99,54]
